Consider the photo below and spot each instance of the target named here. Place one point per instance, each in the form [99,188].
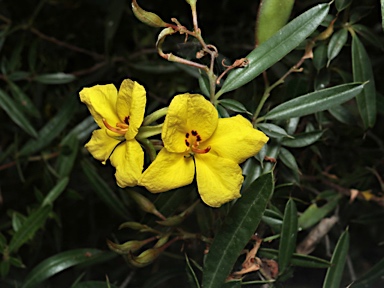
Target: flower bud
[138,226]
[127,247]
[145,258]
[146,17]
[145,204]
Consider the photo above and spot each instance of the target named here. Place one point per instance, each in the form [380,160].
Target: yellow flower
[119,114]
[195,139]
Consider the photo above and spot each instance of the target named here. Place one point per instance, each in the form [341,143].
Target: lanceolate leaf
[339,256]
[369,278]
[60,262]
[362,71]
[238,227]
[15,112]
[314,102]
[55,192]
[297,259]
[53,128]
[33,223]
[288,236]
[276,47]
[103,190]
[336,43]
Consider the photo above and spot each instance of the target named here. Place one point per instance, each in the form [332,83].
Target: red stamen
[121,127]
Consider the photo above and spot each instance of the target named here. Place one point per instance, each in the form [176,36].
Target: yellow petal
[101,102]
[236,139]
[131,103]
[188,112]
[218,179]
[101,145]
[128,158]
[168,171]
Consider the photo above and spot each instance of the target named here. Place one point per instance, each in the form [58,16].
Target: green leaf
[234,105]
[68,155]
[371,37]
[55,78]
[191,273]
[236,231]
[34,222]
[276,47]
[103,190]
[336,43]
[362,71]
[313,214]
[55,192]
[382,13]
[288,159]
[59,262]
[342,4]
[314,102]
[335,272]
[288,236]
[24,100]
[272,16]
[320,56]
[342,114]
[303,139]
[273,130]
[204,84]
[273,220]
[15,112]
[297,259]
[52,129]
[370,277]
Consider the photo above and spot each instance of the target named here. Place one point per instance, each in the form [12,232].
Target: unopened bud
[191,2]
[327,32]
[146,17]
[145,258]
[138,226]
[129,246]
[163,239]
[145,204]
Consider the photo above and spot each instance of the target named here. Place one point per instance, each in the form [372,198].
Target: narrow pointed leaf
[382,13]
[370,277]
[15,112]
[66,160]
[339,257]
[342,4]
[313,214]
[24,100]
[303,139]
[103,190]
[51,130]
[272,130]
[55,78]
[236,231]
[297,259]
[59,262]
[314,102]
[362,71]
[336,43]
[288,236]
[55,192]
[276,47]
[34,222]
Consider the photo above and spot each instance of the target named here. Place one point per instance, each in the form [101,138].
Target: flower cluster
[197,143]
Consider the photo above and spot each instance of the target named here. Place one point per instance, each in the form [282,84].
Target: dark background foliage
[50,50]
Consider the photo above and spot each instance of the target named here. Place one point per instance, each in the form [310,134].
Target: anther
[120,128]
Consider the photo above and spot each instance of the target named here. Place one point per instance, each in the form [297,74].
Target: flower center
[121,128]
[192,141]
